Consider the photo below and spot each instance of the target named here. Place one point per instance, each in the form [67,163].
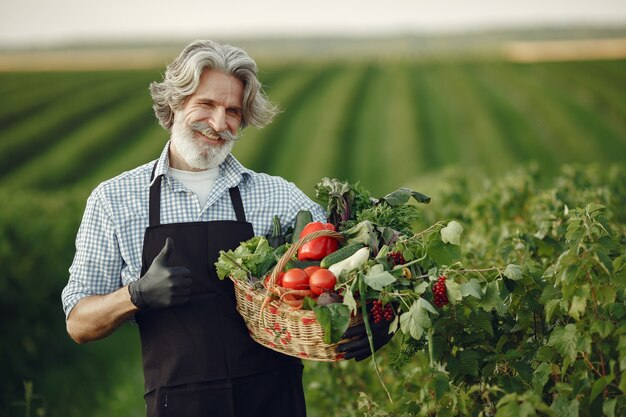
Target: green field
[386,124]
[380,123]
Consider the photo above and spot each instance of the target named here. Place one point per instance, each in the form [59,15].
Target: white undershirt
[200,182]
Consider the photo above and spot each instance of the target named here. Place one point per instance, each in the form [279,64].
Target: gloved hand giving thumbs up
[162,285]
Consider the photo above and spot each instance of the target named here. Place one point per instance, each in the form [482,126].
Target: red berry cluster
[379,313]
[396,258]
[439,290]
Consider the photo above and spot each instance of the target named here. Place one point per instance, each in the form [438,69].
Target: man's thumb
[165,253]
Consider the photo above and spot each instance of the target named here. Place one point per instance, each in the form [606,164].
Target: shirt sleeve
[305,203]
[97,264]
[300,201]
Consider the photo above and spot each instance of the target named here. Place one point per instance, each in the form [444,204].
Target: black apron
[198,358]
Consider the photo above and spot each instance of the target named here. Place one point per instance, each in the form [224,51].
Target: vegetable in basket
[318,248]
[251,260]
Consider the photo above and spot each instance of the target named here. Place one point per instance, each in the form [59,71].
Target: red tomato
[310,269]
[279,279]
[296,279]
[321,281]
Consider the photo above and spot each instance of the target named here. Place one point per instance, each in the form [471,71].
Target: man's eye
[234,112]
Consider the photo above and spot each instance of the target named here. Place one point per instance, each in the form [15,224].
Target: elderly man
[150,236]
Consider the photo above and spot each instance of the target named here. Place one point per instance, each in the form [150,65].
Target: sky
[30,22]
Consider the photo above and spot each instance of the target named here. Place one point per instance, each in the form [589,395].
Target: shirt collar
[232,172]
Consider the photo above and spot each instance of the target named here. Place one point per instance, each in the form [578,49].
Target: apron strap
[235,198]
[154,205]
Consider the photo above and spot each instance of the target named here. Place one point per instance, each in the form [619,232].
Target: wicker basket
[277,325]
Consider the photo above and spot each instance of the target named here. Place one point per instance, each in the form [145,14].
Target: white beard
[195,151]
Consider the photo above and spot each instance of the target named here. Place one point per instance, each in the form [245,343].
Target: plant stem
[431,355]
[368,330]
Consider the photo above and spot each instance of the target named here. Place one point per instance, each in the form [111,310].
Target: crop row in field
[382,124]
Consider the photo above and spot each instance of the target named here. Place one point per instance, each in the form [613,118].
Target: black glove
[161,285]
[359,347]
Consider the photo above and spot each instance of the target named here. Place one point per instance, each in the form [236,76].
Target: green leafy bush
[535,324]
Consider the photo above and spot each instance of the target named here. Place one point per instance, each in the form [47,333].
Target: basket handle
[293,249]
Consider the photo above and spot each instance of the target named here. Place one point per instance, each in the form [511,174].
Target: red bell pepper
[318,248]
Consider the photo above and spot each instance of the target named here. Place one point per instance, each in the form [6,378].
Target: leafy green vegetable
[365,233]
[400,218]
[251,259]
[342,199]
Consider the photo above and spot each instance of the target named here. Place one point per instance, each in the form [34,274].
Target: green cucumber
[276,237]
[340,254]
[303,218]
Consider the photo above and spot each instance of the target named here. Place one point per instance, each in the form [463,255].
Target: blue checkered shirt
[110,238]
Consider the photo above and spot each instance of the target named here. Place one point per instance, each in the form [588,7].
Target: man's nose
[217,120]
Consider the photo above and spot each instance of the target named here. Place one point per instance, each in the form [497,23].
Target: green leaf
[334,320]
[393,327]
[491,298]
[604,260]
[468,360]
[426,305]
[348,299]
[441,385]
[563,407]
[577,307]
[598,386]
[443,253]
[540,377]
[472,288]
[551,306]
[402,195]
[508,408]
[378,278]
[452,233]
[255,256]
[513,272]
[608,407]
[564,340]
[481,320]
[621,348]
[501,342]
[420,288]
[549,293]
[363,232]
[604,328]
[453,291]
[606,294]
[545,354]
[415,321]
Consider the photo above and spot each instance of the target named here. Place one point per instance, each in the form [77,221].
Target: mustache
[206,130]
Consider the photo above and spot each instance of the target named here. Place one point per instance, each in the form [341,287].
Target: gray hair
[182,78]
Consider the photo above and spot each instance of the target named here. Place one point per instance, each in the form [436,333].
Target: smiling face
[206,126]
